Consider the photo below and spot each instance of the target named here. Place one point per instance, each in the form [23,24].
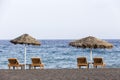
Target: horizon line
[64,39]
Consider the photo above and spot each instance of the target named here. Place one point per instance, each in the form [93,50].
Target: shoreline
[61,74]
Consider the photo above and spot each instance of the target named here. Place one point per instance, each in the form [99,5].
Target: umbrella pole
[91,54]
[25,57]
[91,57]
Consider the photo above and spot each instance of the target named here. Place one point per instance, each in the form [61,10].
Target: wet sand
[61,74]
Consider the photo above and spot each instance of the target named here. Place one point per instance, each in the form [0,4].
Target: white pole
[25,57]
[91,54]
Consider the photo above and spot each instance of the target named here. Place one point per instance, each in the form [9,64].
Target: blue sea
[58,54]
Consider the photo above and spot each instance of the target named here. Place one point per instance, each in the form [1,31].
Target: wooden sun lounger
[13,62]
[36,62]
[98,61]
[82,61]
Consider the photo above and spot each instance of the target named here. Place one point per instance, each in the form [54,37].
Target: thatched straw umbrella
[26,40]
[92,43]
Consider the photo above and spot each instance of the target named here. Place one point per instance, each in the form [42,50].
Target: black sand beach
[62,74]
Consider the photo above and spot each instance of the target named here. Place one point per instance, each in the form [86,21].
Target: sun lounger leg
[34,67]
[14,67]
[41,67]
[9,67]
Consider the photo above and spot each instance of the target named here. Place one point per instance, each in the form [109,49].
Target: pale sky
[60,19]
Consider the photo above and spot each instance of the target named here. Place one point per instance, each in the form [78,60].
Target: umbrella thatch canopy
[91,42]
[26,40]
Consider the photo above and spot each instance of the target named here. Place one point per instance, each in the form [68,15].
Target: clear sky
[60,19]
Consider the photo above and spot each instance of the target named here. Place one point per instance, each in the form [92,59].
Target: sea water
[57,53]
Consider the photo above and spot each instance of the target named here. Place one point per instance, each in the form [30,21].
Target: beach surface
[61,74]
